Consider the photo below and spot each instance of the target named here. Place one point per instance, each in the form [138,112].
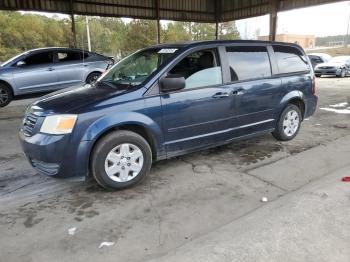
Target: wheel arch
[141,124]
[91,72]
[133,127]
[296,98]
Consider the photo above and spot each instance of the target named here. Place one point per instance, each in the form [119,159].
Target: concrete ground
[204,206]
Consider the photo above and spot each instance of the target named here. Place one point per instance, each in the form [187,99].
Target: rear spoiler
[112,59]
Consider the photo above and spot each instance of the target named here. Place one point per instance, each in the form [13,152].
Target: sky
[323,20]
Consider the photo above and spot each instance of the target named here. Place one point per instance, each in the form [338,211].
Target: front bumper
[56,155]
[331,71]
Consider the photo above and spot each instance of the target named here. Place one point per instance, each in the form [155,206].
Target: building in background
[306,41]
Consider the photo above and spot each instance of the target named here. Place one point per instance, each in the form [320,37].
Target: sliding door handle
[220,95]
[237,91]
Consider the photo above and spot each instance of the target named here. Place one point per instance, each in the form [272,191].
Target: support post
[158,21]
[73,24]
[217,13]
[273,19]
[88,33]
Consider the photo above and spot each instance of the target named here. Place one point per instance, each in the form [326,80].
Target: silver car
[338,66]
[49,69]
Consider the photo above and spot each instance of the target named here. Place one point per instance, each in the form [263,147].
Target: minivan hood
[69,99]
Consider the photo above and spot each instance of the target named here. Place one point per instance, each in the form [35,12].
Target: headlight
[58,124]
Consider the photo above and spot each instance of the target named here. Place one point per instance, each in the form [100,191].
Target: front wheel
[121,159]
[289,123]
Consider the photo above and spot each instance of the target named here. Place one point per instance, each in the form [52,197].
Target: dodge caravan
[165,101]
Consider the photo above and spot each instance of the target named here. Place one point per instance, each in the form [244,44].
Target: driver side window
[39,59]
[200,69]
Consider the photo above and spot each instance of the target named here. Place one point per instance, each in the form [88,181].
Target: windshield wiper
[105,83]
[117,85]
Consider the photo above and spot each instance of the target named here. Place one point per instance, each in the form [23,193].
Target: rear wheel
[289,123]
[92,78]
[6,95]
[121,159]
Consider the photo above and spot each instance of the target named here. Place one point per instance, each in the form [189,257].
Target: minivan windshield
[136,68]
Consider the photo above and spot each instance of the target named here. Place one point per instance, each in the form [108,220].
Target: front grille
[29,123]
[326,67]
[44,167]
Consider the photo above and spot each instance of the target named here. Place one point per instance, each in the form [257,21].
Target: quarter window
[69,56]
[248,62]
[290,59]
[199,69]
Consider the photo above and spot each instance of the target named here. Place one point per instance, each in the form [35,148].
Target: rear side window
[290,59]
[248,62]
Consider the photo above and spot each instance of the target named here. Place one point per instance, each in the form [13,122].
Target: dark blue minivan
[165,101]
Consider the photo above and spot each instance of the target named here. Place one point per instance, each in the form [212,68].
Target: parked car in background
[166,101]
[48,69]
[318,58]
[338,66]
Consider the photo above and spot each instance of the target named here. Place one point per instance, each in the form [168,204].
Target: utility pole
[346,42]
[88,33]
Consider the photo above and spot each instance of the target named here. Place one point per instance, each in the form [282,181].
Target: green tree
[228,31]
[140,34]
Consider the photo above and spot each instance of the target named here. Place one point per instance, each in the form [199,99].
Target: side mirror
[172,83]
[20,63]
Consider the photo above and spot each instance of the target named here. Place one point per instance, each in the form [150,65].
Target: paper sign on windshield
[167,50]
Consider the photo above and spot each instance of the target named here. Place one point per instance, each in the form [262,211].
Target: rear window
[248,62]
[315,59]
[290,59]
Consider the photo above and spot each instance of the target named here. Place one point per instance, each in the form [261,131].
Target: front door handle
[220,95]
[50,69]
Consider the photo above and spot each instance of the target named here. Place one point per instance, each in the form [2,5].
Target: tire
[342,73]
[285,124]
[107,158]
[92,77]
[317,75]
[6,95]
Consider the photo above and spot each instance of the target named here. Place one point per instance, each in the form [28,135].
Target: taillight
[314,85]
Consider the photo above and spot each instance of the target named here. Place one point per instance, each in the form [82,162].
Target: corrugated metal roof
[182,10]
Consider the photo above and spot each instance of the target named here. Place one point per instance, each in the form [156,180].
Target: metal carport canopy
[210,11]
